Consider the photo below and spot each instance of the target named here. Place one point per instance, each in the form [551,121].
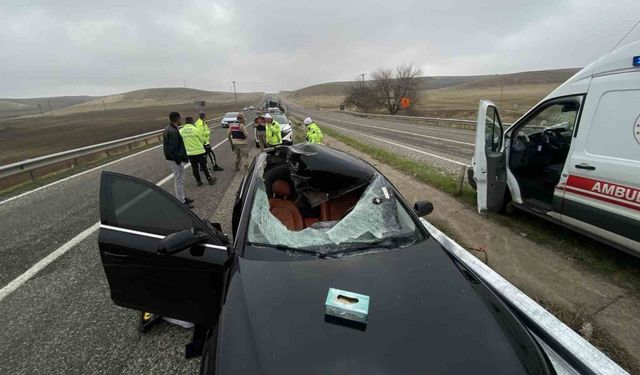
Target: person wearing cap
[260,130]
[237,135]
[314,134]
[203,127]
[273,135]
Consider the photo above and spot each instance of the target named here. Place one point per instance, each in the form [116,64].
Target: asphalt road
[448,146]
[62,320]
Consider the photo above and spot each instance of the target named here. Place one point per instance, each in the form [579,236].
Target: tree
[391,85]
[361,95]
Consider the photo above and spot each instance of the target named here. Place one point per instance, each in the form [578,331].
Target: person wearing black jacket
[176,155]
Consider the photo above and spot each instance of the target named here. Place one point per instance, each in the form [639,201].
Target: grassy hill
[454,96]
[158,96]
[21,107]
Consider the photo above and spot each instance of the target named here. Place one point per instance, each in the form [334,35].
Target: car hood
[425,316]
[229,119]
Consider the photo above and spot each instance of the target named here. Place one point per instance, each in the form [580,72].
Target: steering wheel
[554,139]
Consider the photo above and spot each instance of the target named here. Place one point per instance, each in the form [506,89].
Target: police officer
[260,130]
[314,134]
[194,138]
[237,135]
[273,135]
[176,155]
[202,125]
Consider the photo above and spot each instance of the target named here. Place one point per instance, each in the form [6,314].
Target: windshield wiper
[286,248]
[384,243]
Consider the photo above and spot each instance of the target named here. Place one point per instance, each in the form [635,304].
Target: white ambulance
[575,157]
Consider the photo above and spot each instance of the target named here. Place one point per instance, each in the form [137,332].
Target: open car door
[489,159]
[159,256]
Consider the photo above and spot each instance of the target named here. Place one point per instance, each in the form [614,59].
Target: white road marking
[31,272]
[87,171]
[413,134]
[76,175]
[398,144]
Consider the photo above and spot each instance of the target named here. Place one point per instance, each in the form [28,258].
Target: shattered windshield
[376,221]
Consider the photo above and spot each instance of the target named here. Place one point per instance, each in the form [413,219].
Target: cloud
[70,47]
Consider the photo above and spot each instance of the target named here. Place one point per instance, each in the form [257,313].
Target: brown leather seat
[286,211]
[336,208]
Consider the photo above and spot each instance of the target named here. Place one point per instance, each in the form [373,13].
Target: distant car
[306,219]
[228,118]
[245,108]
[274,111]
[251,108]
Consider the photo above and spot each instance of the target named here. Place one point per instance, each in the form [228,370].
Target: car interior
[306,196]
[296,212]
[539,149]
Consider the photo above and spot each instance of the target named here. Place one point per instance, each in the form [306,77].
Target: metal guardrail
[30,165]
[441,119]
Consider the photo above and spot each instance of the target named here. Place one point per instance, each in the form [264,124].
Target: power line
[626,35]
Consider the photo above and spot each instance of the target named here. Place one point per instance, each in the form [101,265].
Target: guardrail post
[463,172]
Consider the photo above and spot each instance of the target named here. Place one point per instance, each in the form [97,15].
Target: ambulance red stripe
[620,195]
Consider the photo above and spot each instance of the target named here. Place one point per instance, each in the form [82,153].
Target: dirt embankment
[36,136]
[575,294]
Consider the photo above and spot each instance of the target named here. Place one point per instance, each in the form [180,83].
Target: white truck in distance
[574,158]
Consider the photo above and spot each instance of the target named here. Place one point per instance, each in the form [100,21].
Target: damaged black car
[330,272]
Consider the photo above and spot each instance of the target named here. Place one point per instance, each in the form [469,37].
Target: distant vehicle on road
[245,108]
[307,219]
[251,108]
[574,159]
[274,110]
[228,118]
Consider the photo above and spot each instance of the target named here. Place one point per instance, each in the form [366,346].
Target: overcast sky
[77,47]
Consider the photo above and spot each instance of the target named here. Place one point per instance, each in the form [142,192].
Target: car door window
[493,130]
[138,205]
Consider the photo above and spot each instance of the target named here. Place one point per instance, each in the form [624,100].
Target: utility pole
[362,75]
[234,91]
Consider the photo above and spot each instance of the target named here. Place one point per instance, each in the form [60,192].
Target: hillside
[158,96]
[454,96]
[21,107]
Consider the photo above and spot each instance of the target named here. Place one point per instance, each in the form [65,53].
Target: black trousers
[199,162]
[209,151]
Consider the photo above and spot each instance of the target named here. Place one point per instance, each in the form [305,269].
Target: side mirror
[423,208]
[176,242]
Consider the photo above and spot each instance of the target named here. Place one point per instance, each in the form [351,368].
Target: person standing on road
[314,134]
[194,138]
[261,131]
[176,155]
[238,135]
[202,125]
[273,134]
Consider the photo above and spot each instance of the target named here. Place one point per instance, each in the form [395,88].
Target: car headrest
[281,189]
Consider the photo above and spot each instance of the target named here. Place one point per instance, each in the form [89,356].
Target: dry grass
[455,97]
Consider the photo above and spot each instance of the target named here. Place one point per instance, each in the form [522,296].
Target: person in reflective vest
[237,135]
[202,125]
[193,139]
[274,137]
[314,134]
